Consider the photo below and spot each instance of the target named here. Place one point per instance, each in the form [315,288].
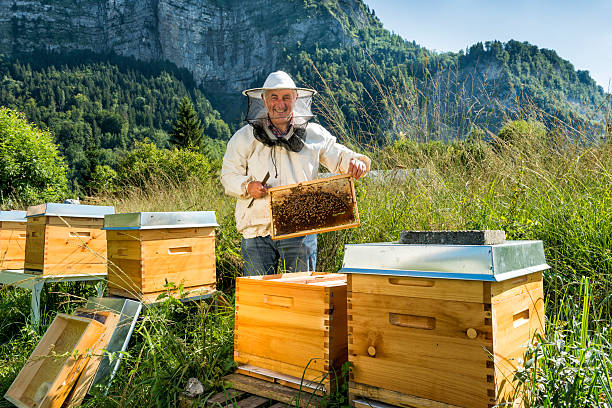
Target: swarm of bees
[306,209]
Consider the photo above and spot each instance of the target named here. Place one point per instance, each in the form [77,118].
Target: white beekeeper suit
[247,159]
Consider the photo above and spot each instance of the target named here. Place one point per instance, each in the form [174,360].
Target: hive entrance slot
[424,283]
[281,301]
[80,234]
[412,321]
[520,318]
[179,250]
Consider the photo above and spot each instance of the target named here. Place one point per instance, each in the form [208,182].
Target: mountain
[339,46]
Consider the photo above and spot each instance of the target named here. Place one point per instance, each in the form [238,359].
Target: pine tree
[187,131]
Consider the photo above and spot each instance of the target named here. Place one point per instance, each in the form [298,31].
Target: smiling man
[279,141]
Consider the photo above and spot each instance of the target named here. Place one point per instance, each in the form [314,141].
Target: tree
[187,132]
[31,169]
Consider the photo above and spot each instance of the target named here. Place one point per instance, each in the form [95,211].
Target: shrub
[31,169]
[147,162]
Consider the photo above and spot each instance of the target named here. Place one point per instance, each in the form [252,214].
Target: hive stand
[36,282]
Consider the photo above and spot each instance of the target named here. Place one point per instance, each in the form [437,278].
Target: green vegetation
[31,169]
[98,106]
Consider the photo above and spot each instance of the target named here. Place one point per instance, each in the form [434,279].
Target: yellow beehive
[149,251]
[66,239]
[292,326]
[12,239]
[424,339]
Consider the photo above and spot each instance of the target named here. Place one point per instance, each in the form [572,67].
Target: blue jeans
[262,255]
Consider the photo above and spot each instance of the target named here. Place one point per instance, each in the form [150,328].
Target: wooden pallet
[233,398]
[277,394]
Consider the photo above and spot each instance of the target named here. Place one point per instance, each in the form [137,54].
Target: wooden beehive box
[148,250]
[312,207]
[12,239]
[66,239]
[55,364]
[448,338]
[291,326]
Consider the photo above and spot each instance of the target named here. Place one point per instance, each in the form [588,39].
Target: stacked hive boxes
[66,239]
[149,251]
[441,324]
[12,239]
[292,325]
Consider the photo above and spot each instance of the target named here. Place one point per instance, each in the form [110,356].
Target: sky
[579,31]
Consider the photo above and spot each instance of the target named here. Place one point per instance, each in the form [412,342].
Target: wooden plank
[124,250]
[468,388]
[279,405]
[253,401]
[427,288]
[74,222]
[436,318]
[272,391]
[420,347]
[68,269]
[224,397]
[338,339]
[124,274]
[12,245]
[391,397]
[190,261]
[297,383]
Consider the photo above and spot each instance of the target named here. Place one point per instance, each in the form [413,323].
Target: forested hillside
[99,106]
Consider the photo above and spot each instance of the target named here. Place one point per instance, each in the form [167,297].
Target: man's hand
[256,189]
[357,168]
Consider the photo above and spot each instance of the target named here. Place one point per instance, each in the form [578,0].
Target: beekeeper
[279,139]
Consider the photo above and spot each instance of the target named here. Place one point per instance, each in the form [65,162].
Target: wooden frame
[328,183]
[56,363]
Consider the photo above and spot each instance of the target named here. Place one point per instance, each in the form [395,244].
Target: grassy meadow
[533,181]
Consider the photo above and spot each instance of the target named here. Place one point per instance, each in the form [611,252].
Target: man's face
[280,103]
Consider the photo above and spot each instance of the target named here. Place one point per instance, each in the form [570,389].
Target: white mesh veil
[302,112]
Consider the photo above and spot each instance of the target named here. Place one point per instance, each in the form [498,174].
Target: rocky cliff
[228,45]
